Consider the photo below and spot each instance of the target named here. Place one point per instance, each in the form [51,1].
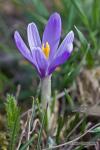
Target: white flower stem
[46,94]
[45,91]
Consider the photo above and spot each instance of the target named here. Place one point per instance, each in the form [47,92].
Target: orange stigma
[46,49]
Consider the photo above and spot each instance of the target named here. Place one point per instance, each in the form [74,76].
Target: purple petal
[25,51]
[67,44]
[41,62]
[22,46]
[52,32]
[63,52]
[33,36]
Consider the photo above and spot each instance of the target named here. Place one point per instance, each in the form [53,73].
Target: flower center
[46,49]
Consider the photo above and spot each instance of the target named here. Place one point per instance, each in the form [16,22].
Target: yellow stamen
[46,49]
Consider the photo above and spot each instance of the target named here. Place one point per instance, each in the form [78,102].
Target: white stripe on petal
[33,36]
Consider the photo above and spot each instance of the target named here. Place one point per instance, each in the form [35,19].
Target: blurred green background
[19,77]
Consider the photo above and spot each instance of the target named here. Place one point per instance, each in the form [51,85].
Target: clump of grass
[13,120]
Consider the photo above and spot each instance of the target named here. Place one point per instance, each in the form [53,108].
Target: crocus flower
[46,55]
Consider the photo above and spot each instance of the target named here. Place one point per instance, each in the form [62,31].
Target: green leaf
[69,99]
[96,12]
[43,121]
[96,130]
[81,38]
[60,125]
[40,7]
[13,120]
[27,144]
[81,13]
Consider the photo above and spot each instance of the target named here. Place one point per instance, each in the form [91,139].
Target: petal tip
[70,37]
[71,34]
[16,35]
[31,24]
[56,16]
[33,35]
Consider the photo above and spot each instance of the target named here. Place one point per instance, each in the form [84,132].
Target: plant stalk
[46,96]
[45,91]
